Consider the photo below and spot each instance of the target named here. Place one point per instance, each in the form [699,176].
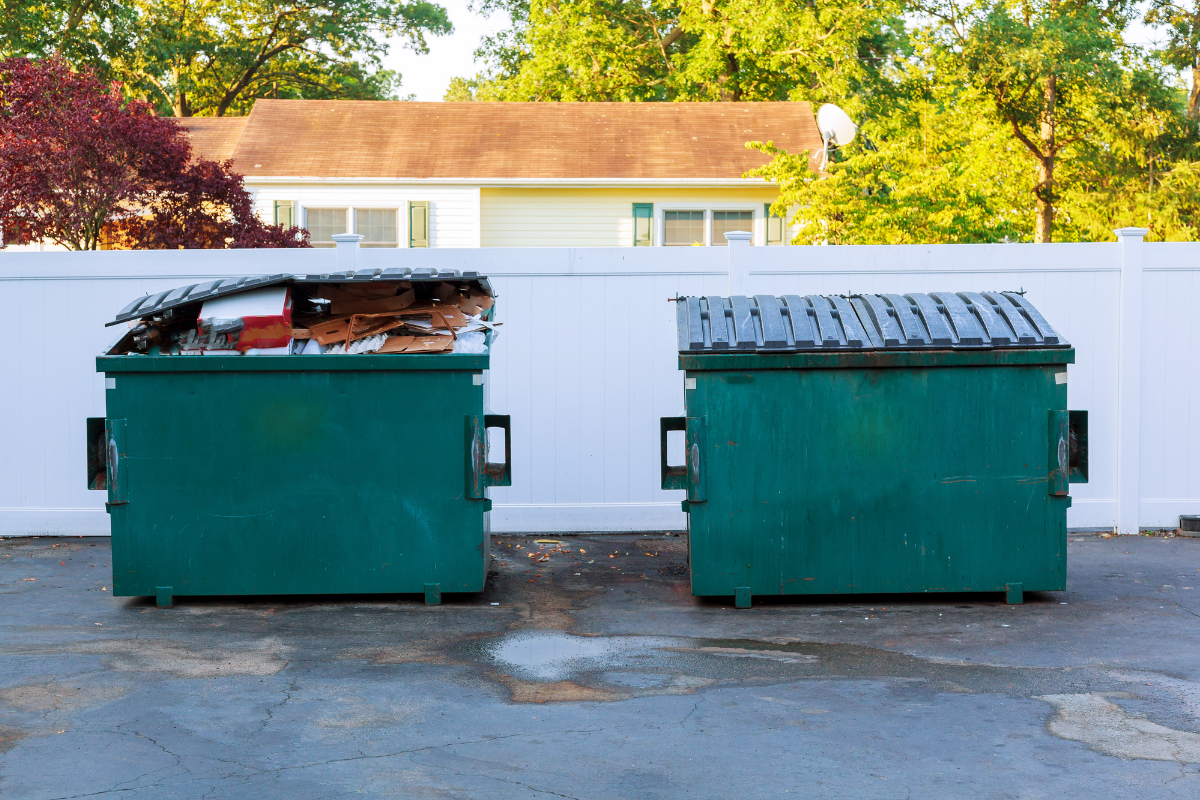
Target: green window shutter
[285,213]
[418,223]
[643,224]
[775,226]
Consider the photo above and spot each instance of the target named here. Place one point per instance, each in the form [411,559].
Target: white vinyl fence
[587,363]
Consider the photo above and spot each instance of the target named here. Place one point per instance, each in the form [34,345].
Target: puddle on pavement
[550,656]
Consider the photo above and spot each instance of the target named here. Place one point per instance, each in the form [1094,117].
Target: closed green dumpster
[297,474]
[874,443]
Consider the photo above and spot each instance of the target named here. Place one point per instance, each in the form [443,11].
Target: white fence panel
[586,362]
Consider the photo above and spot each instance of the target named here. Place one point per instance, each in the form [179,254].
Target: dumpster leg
[164,596]
[741,596]
[1014,595]
[433,594]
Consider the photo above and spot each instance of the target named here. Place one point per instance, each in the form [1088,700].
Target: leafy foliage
[628,50]
[79,164]
[937,169]
[1008,122]
[214,57]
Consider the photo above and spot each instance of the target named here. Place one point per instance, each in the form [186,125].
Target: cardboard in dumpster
[397,302]
[328,314]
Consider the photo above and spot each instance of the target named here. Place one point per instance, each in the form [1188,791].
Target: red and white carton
[265,315]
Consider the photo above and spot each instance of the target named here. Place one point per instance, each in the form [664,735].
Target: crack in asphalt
[688,715]
[531,788]
[270,710]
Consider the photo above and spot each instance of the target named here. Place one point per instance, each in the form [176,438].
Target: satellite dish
[836,127]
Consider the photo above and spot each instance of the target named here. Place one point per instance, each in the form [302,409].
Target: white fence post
[739,261]
[347,251]
[1129,381]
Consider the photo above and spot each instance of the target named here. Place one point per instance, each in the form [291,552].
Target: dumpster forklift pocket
[691,475]
[117,476]
[97,461]
[673,477]
[1077,446]
[480,472]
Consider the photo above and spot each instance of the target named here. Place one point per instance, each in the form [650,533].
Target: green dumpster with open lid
[309,468]
[874,443]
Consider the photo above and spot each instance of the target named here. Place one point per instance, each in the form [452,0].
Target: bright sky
[427,76]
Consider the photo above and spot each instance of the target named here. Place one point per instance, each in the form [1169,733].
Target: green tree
[1050,67]
[1182,51]
[930,164]
[214,57]
[87,32]
[733,50]
[936,163]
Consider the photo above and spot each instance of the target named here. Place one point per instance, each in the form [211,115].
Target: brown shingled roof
[552,141]
[213,138]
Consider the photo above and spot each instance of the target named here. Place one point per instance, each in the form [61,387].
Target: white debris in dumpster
[367,345]
[471,342]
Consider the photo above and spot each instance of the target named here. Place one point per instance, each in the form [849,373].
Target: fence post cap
[1130,233]
[348,238]
[738,236]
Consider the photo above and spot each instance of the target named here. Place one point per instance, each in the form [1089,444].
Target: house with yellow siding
[511,174]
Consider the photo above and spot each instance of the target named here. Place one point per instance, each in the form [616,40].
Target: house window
[377,226]
[323,223]
[418,223]
[776,226]
[643,224]
[730,221]
[285,213]
[683,228]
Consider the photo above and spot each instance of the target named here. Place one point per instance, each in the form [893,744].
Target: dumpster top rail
[936,321]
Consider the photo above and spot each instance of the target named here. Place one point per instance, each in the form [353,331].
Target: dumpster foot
[1013,594]
[741,596]
[164,596]
[433,594]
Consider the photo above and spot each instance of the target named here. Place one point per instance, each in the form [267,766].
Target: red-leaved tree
[78,163]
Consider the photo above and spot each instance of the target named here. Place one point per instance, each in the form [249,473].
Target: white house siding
[453,210]
[564,217]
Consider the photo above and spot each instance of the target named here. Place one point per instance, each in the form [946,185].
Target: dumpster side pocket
[480,473]
[499,474]
[697,471]
[672,477]
[117,477]
[1058,455]
[97,452]
[1077,446]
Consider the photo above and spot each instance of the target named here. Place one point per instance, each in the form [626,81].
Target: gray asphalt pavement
[592,677]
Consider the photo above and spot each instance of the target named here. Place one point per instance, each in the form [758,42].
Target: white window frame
[401,222]
[758,225]
[349,215]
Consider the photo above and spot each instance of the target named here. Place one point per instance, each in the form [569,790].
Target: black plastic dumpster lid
[938,320]
[152,304]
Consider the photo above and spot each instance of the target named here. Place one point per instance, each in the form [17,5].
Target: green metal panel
[876,479]
[296,474]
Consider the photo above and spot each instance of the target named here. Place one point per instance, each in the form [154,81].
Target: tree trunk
[1194,93]
[1043,229]
[730,86]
